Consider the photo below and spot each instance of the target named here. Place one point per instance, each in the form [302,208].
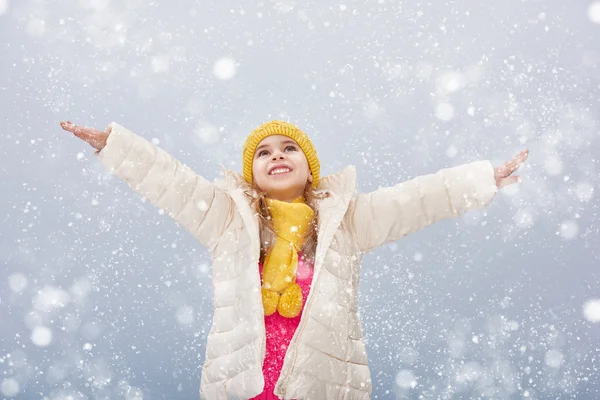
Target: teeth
[280,171]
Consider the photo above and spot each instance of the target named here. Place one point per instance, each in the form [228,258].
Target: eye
[293,147]
[261,153]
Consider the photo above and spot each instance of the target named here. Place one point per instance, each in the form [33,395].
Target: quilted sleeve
[388,214]
[195,203]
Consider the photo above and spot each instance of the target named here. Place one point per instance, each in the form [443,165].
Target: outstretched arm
[194,202]
[388,214]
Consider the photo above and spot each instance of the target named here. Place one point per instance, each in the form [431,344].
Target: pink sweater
[279,333]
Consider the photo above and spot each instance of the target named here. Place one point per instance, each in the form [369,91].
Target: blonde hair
[258,203]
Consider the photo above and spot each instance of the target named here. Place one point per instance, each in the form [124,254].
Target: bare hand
[503,174]
[97,139]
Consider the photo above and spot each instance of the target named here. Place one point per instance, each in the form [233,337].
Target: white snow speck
[49,298]
[99,5]
[134,393]
[80,290]
[202,205]
[207,133]
[3,6]
[405,379]
[594,12]
[512,325]
[225,68]
[444,111]
[554,358]
[373,110]
[584,191]
[17,282]
[523,349]
[553,165]
[160,64]
[36,27]
[408,355]
[203,268]
[569,229]
[591,310]
[451,151]
[185,315]
[523,218]
[41,336]
[10,386]
[451,82]
[284,6]
[469,372]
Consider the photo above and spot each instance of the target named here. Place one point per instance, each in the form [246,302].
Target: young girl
[298,237]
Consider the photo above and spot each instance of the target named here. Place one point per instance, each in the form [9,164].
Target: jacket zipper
[295,349]
[262,319]
[300,330]
[295,354]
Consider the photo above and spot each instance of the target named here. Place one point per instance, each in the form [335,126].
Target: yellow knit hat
[285,129]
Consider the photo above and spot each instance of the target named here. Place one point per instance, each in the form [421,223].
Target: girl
[281,227]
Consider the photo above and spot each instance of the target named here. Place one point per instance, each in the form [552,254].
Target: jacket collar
[341,187]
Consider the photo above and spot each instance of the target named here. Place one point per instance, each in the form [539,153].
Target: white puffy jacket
[326,358]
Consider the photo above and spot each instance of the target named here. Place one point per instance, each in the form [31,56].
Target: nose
[277,155]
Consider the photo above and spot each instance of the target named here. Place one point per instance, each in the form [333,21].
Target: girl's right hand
[97,139]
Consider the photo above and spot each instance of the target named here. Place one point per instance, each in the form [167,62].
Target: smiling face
[280,168]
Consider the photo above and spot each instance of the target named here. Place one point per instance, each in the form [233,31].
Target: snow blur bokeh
[104,296]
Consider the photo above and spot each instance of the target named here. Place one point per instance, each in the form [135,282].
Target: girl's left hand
[503,174]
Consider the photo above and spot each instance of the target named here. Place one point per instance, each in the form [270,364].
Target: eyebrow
[266,145]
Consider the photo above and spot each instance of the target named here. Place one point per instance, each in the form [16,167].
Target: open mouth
[280,171]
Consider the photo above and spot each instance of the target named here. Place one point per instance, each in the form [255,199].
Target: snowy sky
[103,297]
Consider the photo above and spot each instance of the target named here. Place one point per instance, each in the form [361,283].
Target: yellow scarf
[280,292]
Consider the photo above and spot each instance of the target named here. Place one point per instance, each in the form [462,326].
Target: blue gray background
[103,297]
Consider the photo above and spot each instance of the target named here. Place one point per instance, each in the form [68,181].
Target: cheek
[257,171]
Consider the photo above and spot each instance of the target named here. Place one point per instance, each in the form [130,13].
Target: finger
[509,181]
[523,155]
[519,161]
[512,167]
[82,132]
[516,163]
[503,171]
[508,168]
[68,127]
